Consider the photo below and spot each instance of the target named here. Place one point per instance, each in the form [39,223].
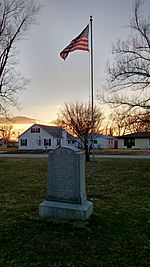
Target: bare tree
[76,119]
[7,132]
[16,16]
[124,123]
[140,122]
[129,72]
[107,128]
[119,122]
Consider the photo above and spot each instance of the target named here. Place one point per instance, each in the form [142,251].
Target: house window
[23,142]
[32,130]
[47,142]
[58,141]
[35,130]
[95,141]
[39,142]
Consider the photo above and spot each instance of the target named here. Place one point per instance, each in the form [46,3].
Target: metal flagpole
[92,106]
[91,20]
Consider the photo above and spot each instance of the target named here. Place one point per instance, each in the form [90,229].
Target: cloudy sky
[54,81]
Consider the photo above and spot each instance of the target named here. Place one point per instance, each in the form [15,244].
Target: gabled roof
[55,131]
[104,136]
[71,137]
[136,135]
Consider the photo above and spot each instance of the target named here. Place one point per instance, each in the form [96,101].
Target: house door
[129,142]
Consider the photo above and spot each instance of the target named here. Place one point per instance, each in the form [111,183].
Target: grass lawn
[96,151]
[122,151]
[115,235]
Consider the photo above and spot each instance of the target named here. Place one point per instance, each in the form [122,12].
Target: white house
[45,137]
[135,141]
[104,141]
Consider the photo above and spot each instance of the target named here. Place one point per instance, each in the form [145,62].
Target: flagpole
[91,22]
[92,106]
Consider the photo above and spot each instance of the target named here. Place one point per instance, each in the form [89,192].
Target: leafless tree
[16,16]
[77,120]
[119,122]
[140,122]
[7,132]
[124,123]
[128,81]
[107,128]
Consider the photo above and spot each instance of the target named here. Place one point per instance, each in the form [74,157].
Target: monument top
[66,149]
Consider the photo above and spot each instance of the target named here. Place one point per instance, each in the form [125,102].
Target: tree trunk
[87,154]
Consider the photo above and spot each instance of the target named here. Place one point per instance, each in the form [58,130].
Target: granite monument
[66,196]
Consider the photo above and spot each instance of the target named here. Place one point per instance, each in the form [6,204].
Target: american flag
[79,43]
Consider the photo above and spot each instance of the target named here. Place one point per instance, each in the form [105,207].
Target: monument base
[69,211]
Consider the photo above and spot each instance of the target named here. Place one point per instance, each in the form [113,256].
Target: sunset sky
[54,81]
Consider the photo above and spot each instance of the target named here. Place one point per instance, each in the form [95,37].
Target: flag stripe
[79,43]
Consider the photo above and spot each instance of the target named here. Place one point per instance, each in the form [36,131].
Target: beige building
[134,141]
